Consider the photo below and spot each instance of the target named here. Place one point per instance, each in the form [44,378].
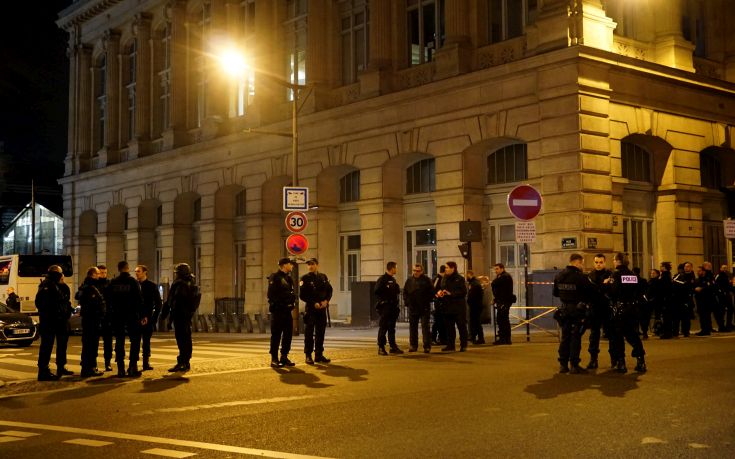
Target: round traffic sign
[524,202]
[296,221]
[297,244]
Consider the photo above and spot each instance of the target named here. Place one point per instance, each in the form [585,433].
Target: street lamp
[233,62]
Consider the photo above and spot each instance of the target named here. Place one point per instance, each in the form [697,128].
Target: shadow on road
[95,387]
[162,384]
[296,376]
[340,371]
[610,383]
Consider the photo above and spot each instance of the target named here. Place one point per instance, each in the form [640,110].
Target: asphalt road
[505,401]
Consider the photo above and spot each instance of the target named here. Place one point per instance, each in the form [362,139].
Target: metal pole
[525,288]
[295,182]
[469,255]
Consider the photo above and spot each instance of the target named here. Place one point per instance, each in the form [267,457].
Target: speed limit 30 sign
[296,221]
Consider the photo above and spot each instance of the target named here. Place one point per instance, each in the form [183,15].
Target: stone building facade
[419,114]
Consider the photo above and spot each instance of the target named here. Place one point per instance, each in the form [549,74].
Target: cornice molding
[77,14]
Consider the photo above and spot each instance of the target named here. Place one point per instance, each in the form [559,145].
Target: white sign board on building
[526,232]
[729,226]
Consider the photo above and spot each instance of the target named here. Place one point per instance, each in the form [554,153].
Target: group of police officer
[122,307]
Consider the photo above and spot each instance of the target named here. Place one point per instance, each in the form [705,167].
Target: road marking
[18,433]
[651,441]
[698,445]
[168,452]
[223,404]
[9,439]
[88,442]
[160,440]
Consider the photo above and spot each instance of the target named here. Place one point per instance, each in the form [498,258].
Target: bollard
[203,323]
[236,328]
[212,322]
[248,322]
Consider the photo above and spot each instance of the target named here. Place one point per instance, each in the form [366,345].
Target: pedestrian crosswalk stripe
[168,452]
[18,433]
[9,439]
[88,442]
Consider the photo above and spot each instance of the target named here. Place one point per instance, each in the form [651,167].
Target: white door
[510,254]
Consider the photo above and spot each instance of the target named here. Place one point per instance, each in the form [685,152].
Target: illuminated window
[508,164]
[425,28]
[295,31]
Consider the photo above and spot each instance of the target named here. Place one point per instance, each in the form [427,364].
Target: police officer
[54,309]
[704,294]
[12,301]
[182,302]
[281,300]
[599,313]
[123,294]
[418,292]
[724,293]
[151,310]
[474,301]
[453,292]
[92,311]
[387,291]
[108,329]
[575,291]
[624,290]
[438,330]
[503,296]
[315,291]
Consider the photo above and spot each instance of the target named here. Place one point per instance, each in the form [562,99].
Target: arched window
[710,170]
[636,162]
[240,204]
[349,187]
[420,177]
[508,164]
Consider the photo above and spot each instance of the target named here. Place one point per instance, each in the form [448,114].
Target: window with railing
[349,187]
[425,29]
[420,177]
[508,164]
[354,25]
[636,162]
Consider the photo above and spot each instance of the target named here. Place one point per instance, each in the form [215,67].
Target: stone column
[455,55]
[319,40]
[376,79]
[671,48]
[84,103]
[381,236]
[225,256]
[267,57]
[207,262]
[140,145]
[174,135]
[590,26]
[72,133]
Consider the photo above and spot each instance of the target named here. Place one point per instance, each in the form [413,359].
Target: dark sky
[33,90]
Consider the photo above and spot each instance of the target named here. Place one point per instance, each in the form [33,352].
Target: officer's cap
[284,261]
[312,260]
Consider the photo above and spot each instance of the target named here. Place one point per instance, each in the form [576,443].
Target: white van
[25,272]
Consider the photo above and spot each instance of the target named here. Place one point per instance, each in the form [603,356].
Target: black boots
[44,374]
[620,366]
[321,359]
[62,371]
[181,367]
[108,366]
[395,350]
[120,369]
[381,350]
[133,371]
[146,364]
[309,360]
[577,370]
[90,372]
[641,365]
[285,362]
[593,364]
[563,367]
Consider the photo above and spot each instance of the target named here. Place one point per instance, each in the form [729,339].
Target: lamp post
[234,64]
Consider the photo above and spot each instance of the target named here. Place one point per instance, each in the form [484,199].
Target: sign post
[296,202]
[524,202]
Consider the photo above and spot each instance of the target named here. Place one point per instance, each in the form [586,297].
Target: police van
[25,272]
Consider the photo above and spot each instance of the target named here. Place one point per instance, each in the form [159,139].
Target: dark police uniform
[387,291]
[438,330]
[455,305]
[315,288]
[417,295]
[624,291]
[54,309]
[108,329]
[599,315]
[151,310]
[474,301]
[706,300]
[502,287]
[93,309]
[281,300]
[724,295]
[575,290]
[123,295]
[680,312]
[182,302]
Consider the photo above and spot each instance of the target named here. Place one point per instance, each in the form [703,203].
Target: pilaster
[111,154]
[671,48]
[175,135]
[140,145]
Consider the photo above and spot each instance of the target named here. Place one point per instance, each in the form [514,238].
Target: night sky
[33,101]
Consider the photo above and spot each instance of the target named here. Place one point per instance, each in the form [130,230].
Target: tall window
[131,81]
[638,242]
[349,255]
[508,164]
[244,87]
[239,284]
[421,249]
[295,28]
[202,63]
[240,204]
[100,103]
[508,18]
[425,28]
[715,244]
[710,170]
[636,162]
[354,29]
[164,80]
[349,187]
[197,209]
[420,177]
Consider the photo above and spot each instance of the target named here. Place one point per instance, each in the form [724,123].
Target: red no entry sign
[524,202]
[296,222]
[297,244]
